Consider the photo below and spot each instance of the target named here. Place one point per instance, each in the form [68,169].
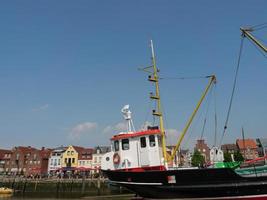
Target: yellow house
[70,157]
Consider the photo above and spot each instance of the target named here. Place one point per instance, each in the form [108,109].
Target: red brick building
[248,148]
[27,161]
[229,148]
[203,148]
[37,163]
[5,156]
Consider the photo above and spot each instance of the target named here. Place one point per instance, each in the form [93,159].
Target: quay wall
[60,188]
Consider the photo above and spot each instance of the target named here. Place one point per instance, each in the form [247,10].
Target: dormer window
[125,144]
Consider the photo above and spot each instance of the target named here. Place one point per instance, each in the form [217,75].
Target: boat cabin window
[143,142]
[116,145]
[125,144]
[152,141]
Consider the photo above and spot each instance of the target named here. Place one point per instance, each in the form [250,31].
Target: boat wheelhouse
[135,151]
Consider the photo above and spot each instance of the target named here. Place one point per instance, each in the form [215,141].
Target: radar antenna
[127,114]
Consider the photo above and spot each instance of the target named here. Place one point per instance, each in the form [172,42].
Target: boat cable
[259,26]
[200,115]
[215,116]
[206,114]
[183,78]
[233,91]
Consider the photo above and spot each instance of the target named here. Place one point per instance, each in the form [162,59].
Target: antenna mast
[155,79]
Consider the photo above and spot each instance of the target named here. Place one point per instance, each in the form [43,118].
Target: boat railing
[252,171]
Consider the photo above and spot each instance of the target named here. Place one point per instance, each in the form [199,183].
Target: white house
[54,162]
[97,158]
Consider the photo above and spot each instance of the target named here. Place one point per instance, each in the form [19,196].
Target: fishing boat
[139,161]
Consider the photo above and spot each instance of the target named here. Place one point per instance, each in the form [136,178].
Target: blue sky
[68,67]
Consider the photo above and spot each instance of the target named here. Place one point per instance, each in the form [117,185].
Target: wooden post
[24,187]
[36,183]
[98,185]
[58,182]
[83,185]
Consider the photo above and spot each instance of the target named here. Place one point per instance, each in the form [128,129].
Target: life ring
[116,158]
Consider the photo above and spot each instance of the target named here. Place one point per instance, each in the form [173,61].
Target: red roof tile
[247,143]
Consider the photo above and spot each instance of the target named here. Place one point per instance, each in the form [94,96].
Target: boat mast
[155,79]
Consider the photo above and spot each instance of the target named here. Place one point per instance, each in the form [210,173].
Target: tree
[238,156]
[197,159]
[227,157]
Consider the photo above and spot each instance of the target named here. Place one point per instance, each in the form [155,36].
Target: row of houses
[30,161]
[249,148]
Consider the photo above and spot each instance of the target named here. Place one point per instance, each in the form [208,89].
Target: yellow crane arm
[211,81]
[246,33]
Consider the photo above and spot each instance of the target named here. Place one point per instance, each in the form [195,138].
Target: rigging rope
[207,111]
[202,111]
[215,116]
[233,90]
[183,78]
[203,128]
[260,26]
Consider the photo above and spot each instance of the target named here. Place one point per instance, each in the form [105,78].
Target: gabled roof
[24,149]
[78,149]
[85,153]
[246,143]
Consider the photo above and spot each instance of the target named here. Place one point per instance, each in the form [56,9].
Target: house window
[73,160]
[152,141]
[143,142]
[72,152]
[66,160]
[116,145]
[125,144]
[58,163]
